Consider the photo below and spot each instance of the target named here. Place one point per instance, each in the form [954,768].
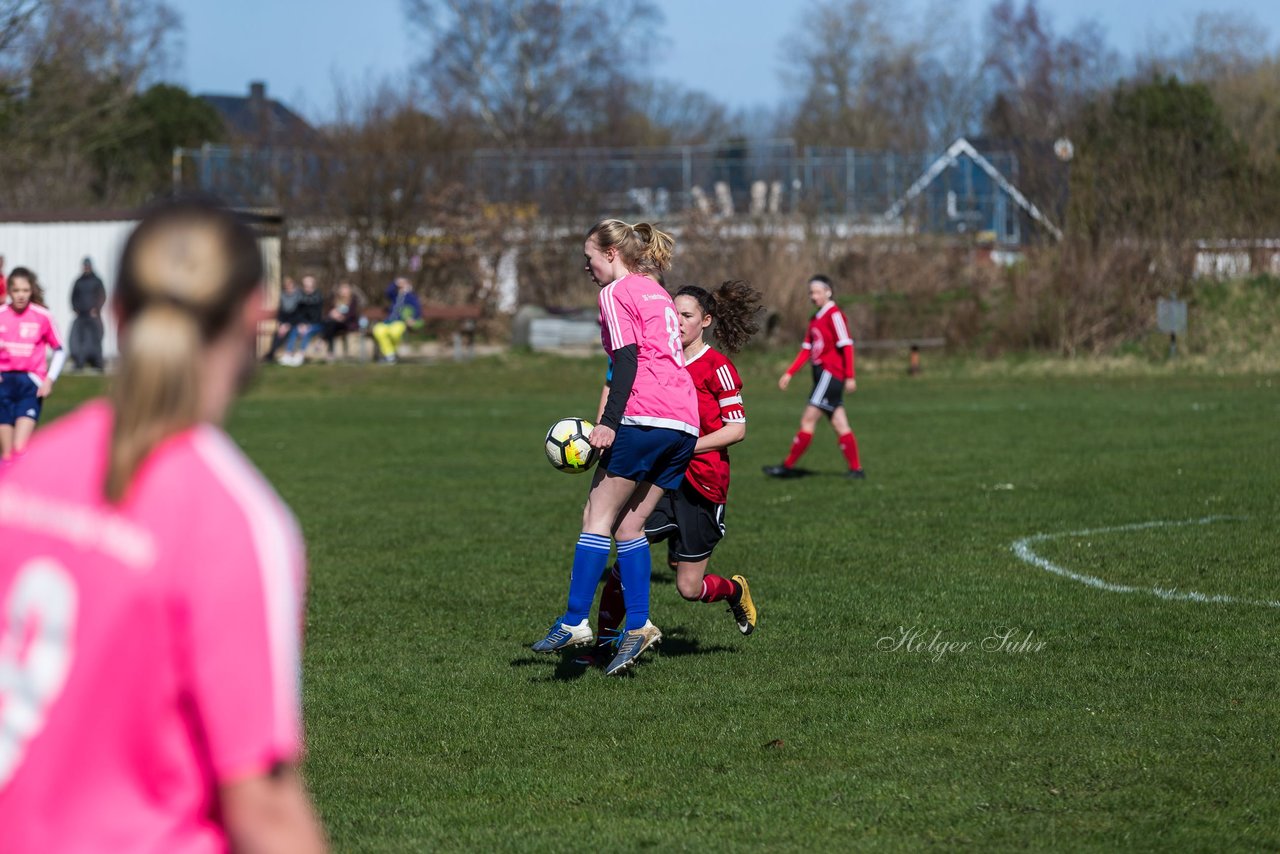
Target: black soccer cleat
[780,471]
[856,474]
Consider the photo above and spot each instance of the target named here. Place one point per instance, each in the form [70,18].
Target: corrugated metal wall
[55,251]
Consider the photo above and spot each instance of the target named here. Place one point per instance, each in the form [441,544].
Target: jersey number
[41,606]
[673,336]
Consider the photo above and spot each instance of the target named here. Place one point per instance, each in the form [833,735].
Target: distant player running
[27,374]
[648,432]
[691,517]
[830,349]
[151,584]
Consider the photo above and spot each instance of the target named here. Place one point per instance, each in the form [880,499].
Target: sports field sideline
[914,679]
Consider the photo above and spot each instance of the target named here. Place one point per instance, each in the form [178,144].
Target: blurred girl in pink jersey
[647,432]
[151,584]
[26,374]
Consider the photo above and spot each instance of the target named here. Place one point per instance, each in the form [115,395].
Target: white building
[54,247]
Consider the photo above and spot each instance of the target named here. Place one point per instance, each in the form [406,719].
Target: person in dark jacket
[343,317]
[310,319]
[286,316]
[88,296]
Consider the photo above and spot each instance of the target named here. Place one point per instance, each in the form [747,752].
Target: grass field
[440,543]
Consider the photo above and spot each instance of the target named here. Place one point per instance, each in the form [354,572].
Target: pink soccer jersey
[637,310]
[149,651]
[23,338]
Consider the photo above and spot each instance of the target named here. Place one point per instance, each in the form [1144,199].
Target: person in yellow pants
[405,313]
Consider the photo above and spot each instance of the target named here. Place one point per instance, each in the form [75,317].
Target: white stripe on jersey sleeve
[611,315]
[277,544]
[842,331]
[730,401]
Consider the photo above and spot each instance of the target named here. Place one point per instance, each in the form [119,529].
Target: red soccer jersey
[828,333]
[719,402]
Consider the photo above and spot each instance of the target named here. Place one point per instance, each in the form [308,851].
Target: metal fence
[751,178]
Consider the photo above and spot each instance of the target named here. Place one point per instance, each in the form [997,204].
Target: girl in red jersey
[691,516]
[828,346]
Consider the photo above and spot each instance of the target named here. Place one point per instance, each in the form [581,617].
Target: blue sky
[730,49]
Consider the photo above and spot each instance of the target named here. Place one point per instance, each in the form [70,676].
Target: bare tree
[1038,78]
[869,81]
[15,17]
[529,72]
[72,68]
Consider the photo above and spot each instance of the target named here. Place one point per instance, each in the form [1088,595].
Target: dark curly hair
[734,306]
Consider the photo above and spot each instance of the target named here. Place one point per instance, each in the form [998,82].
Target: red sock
[612,608]
[849,447]
[715,588]
[799,445]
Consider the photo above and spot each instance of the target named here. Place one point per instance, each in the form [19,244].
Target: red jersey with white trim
[150,649]
[719,390]
[828,333]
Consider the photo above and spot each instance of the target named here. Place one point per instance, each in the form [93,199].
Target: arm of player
[56,364]
[604,398]
[625,365]
[730,434]
[850,384]
[796,365]
[271,813]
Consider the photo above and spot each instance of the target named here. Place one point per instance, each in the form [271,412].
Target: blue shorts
[654,455]
[18,397]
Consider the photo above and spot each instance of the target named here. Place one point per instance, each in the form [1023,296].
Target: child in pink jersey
[648,430]
[26,374]
[151,585]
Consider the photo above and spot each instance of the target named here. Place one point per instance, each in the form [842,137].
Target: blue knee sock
[633,565]
[589,560]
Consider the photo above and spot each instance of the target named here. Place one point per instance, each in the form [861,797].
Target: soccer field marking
[1022,548]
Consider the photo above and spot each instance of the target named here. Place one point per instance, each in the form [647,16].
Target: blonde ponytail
[157,391]
[185,275]
[658,248]
[643,248]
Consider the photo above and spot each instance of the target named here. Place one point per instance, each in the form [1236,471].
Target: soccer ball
[567,448]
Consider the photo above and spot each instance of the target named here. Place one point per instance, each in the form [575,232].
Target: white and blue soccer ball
[567,447]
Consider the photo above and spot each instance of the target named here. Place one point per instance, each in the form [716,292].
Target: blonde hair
[643,248]
[186,270]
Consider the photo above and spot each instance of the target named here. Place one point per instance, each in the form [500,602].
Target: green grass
[439,547]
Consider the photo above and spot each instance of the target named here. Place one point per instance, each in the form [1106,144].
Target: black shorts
[691,522]
[828,392]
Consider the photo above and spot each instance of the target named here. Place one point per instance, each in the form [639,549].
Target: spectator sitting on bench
[310,318]
[286,316]
[343,316]
[405,313]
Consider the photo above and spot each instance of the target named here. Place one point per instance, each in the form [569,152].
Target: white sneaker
[563,636]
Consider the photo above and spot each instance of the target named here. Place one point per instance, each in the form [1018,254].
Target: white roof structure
[958,148]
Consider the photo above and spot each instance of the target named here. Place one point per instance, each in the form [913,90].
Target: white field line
[1022,548]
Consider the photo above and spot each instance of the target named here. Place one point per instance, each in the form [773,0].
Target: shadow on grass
[676,642]
[566,669]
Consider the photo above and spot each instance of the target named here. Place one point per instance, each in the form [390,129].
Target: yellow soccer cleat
[742,608]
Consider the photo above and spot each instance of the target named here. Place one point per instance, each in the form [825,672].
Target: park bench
[463,318]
